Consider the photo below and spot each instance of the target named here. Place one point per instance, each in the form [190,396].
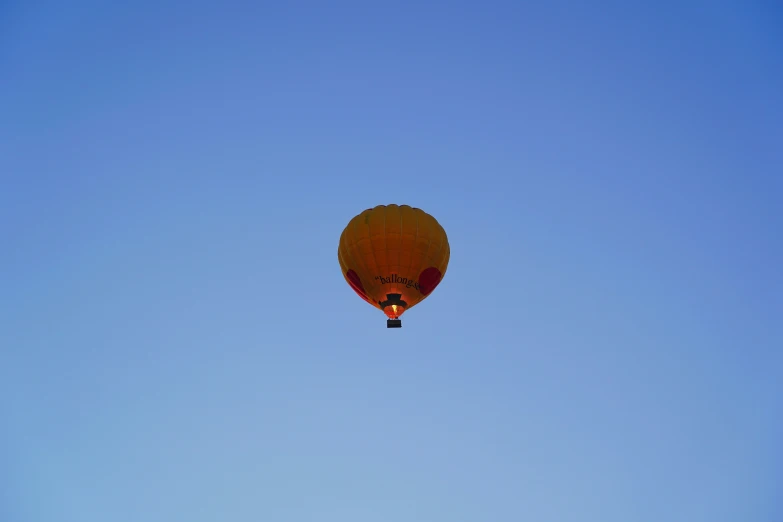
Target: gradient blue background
[178,342]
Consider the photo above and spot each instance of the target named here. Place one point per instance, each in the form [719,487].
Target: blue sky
[177,342]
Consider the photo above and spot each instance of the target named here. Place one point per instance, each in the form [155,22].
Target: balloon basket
[394,323]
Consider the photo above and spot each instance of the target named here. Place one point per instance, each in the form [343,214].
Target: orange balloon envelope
[393,256]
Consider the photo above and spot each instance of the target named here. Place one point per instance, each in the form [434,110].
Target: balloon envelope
[393,256]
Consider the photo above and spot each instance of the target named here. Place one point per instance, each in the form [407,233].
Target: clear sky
[177,341]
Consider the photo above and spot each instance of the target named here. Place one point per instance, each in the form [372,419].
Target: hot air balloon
[393,256]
